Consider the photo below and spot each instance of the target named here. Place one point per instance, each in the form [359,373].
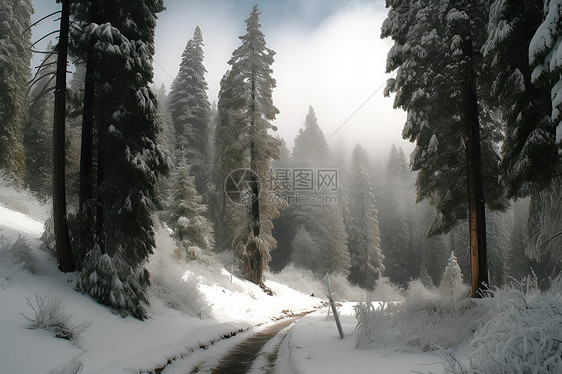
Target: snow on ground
[313,345]
[112,344]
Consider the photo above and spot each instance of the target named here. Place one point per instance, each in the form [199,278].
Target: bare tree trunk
[62,237]
[477,219]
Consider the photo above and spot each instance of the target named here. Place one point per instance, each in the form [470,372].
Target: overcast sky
[328,54]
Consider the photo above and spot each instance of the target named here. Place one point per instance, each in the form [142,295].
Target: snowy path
[255,353]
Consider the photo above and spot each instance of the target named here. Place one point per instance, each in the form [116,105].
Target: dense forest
[482,88]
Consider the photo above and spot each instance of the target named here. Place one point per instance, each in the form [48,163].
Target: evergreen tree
[436,53]
[306,251]
[363,226]
[310,148]
[544,56]
[283,226]
[186,215]
[324,222]
[38,137]
[191,111]
[398,212]
[244,141]
[15,56]
[129,160]
[451,281]
[528,151]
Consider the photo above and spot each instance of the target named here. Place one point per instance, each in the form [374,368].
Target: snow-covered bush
[172,282]
[523,335]
[49,315]
[424,320]
[48,236]
[18,254]
[22,199]
[302,280]
[305,281]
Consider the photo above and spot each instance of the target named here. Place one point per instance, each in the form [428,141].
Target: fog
[333,60]
[329,54]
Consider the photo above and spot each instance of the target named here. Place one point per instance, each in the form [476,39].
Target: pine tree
[528,151]
[38,137]
[244,141]
[324,222]
[363,227]
[186,215]
[191,111]
[436,53]
[15,56]
[397,217]
[451,281]
[129,160]
[283,226]
[544,56]
[306,251]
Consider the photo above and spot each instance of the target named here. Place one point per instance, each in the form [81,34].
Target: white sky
[328,54]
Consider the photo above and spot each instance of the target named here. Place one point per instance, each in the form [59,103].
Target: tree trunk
[256,260]
[62,237]
[477,219]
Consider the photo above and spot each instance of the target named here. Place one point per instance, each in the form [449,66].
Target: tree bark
[62,237]
[477,219]
[256,260]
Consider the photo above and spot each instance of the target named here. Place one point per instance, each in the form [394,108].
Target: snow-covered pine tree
[324,222]
[397,214]
[191,112]
[306,251]
[363,226]
[528,150]
[451,285]
[244,140]
[15,56]
[187,216]
[129,160]
[38,137]
[436,55]
[544,56]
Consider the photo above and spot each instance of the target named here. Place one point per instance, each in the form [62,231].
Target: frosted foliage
[545,56]
[49,315]
[15,256]
[451,286]
[424,320]
[172,284]
[522,335]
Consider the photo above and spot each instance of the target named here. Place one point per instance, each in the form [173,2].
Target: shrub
[172,283]
[49,315]
[16,256]
[524,334]
[424,320]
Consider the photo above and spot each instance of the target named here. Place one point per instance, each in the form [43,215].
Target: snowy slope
[113,344]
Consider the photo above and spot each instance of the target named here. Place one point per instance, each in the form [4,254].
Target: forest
[115,155]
